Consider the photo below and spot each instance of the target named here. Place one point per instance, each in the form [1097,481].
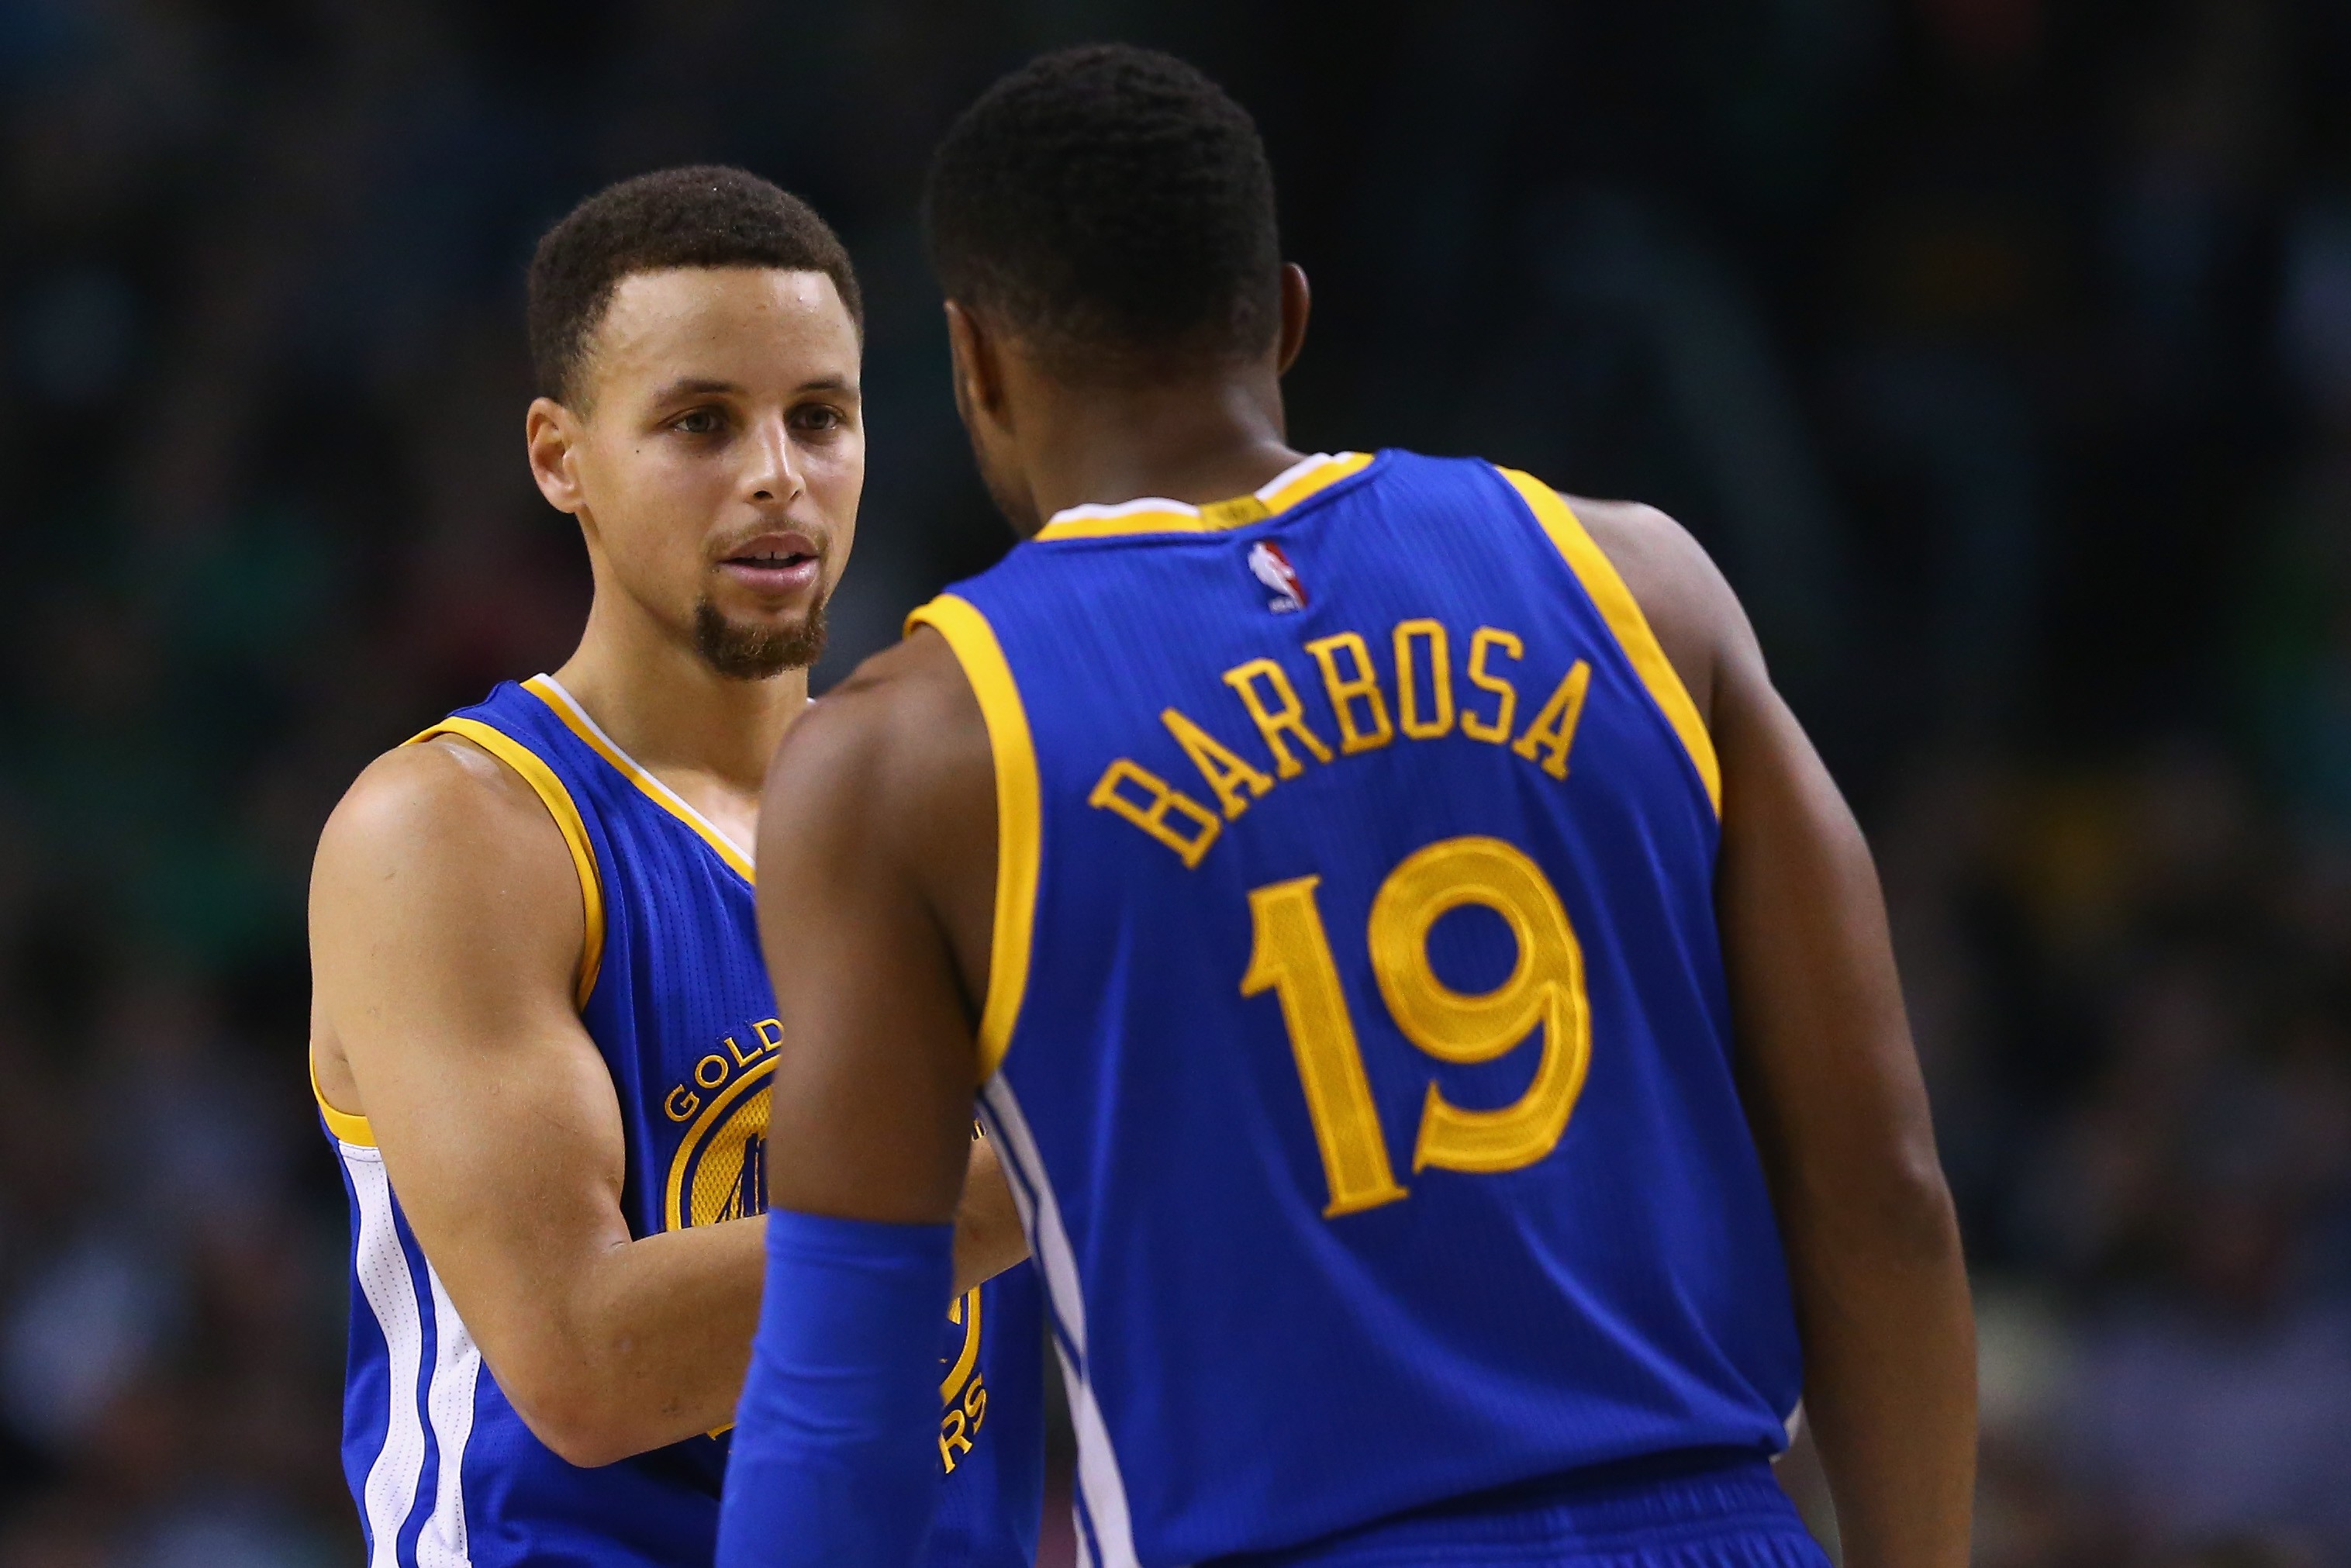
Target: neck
[667,708]
[1196,440]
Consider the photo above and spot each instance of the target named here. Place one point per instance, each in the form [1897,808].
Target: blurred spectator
[2000,349]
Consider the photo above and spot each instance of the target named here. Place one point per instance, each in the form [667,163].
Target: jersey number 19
[1291,958]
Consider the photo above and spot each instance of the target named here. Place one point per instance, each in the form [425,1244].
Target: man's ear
[1297,303]
[550,434]
[978,368]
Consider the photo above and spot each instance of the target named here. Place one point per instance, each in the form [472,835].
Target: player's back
[1366,1061]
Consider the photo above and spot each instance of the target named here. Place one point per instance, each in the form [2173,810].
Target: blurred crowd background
[1999,348]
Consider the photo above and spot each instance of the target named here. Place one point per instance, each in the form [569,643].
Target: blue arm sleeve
[833,1460]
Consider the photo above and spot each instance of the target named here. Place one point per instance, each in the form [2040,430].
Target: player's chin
[756,645]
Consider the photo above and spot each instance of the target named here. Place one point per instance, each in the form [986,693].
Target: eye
[698,421]
[818,416]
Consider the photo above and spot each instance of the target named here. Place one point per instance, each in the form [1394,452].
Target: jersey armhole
[556,799]
[1020,814]
[1631,628]
[346,1128]
[357,1130]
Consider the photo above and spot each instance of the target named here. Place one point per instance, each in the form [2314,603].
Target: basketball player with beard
[542,1034]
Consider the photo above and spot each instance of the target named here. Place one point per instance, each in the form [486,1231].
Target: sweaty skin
[878,850]
[445,913]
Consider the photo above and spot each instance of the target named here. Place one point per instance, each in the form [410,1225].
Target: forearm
[1890,1378]
[834,1465]
[647,1347]
[656,1342]
[1839,1111]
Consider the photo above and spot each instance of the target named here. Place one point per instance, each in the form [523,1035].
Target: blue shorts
[1683,1510]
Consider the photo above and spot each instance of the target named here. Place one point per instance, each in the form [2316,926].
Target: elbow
[1908,1208]
[1887,1206]
[580,1430]
[586,1444]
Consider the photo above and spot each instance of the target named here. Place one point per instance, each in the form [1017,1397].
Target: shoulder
[900,745]
[1683,595]
[881,800]
[445,825]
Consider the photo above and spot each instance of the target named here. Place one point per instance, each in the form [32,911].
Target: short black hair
[1114,208]
[704,216]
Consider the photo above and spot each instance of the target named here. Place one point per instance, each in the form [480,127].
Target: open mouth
[773,563]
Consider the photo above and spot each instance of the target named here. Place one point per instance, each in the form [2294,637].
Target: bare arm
[446,929]
[879,810]
[1840,1116]
[874,804]
[1831,1083]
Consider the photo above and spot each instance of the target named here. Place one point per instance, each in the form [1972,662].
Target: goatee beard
[756,653]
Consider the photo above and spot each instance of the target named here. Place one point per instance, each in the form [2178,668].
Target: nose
[773,476]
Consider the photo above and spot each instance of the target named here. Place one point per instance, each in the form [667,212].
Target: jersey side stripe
[1622,613]
[1040,1213]
[1024,1203]
[1087,1556]
[1019,813]
[559,805]
[390,1291]
[1104,1488]
[1101,1489]
[457,1369]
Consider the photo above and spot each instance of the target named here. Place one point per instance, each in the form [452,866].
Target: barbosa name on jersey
[1362,719]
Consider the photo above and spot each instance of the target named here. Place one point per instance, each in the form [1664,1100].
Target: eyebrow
[695,386]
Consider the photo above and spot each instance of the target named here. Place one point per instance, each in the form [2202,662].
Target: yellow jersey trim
[966,1312]
[1159,516]
[1622,613]
[559,805]
[1019,813]
[745,1084]
[576,719]
[355,1131]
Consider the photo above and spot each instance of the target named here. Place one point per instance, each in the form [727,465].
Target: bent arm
[877,856]
[1831,1083]
[870,847]
[1840,1116]
[445,928]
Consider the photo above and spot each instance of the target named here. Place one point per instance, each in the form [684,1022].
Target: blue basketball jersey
[673,991]
[1357,1037]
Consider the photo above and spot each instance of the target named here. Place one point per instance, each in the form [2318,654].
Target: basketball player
[1435,1010]
[543,1038]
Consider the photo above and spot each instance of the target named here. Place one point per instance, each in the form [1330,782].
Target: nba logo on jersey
[1270,567]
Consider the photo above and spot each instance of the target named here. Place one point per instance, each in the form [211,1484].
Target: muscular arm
[871,893]
[1831,1083]
[446,928]
[877,846]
